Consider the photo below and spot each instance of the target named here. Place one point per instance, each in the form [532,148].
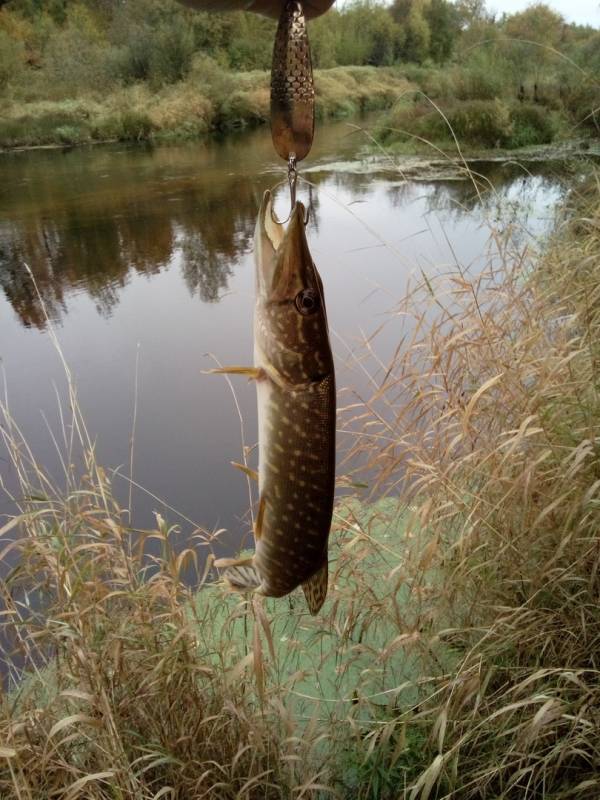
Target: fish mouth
[283,262]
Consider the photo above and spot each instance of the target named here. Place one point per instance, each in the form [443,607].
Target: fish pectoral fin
[315,588]
[259,518]
[243,578]
[251,473]
[223,563]
[252,373]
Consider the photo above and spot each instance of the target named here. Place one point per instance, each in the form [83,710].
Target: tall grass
[456,656]
[497,441]
[123,682]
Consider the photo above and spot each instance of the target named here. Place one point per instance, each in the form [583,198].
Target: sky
[584,12]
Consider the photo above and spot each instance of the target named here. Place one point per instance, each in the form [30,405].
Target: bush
[77,58]
[60,126]
[181,110]
[71,134]
[481,122]
[135,126]
[411,119]
[170,58]
[482,78]
[12,60]
[532,125]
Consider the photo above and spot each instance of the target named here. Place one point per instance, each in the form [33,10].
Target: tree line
[92,43]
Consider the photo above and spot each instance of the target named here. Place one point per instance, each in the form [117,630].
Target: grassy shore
[210,99]
[457,654]
[479,107]
[424,109]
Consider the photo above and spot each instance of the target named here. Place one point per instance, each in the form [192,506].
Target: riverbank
[471,107]
[421,114]
[211,99]
[456,654]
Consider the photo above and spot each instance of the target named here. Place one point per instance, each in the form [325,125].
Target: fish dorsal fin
[243,578]
[315,589]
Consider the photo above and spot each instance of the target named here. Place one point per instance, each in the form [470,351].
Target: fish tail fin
[315,589]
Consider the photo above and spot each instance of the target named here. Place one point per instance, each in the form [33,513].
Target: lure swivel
[292,179]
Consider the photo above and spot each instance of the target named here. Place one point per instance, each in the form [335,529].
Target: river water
[143,255]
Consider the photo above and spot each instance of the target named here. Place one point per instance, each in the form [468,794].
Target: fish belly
[296,482]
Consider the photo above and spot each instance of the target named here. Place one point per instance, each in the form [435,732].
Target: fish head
[291,328]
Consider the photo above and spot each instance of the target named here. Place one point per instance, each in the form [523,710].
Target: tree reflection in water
[84,229]
[88,220]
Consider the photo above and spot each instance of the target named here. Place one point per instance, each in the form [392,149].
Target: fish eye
[307,301]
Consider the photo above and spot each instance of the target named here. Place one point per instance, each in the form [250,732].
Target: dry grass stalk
[490,423]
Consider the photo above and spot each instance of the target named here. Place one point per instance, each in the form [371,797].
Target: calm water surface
[146,253]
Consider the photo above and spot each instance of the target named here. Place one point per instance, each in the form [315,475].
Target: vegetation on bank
[456,656]
[209,99]
[73,71]
[474,106]
[521,80]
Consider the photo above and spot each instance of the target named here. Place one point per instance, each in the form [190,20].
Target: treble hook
[292,183]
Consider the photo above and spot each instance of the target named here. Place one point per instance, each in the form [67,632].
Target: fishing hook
[292,183]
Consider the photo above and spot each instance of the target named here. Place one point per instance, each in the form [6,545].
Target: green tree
[251,43]
[400,10]
[172,51]
[538,24]
[12,60]
[384,36]
[323,36]
[470,12]
[444,26]
[57,9]
[418,36]
[77,56]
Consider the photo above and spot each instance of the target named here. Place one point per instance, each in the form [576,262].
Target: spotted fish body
[296,414]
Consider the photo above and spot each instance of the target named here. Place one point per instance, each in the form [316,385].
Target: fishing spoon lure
[292,94]
[292,86]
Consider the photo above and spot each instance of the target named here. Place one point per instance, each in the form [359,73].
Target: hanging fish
[295,383]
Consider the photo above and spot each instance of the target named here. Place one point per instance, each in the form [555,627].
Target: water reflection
[95,245]
[86,221]
[131,249]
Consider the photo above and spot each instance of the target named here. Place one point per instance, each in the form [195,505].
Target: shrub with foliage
[532,124]
[12,60]
[485,123]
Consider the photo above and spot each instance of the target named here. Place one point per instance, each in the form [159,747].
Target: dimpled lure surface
[295,382]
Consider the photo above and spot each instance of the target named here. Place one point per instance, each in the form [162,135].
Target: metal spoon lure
[292,92]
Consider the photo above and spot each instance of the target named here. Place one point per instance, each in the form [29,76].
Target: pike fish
[295,384]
